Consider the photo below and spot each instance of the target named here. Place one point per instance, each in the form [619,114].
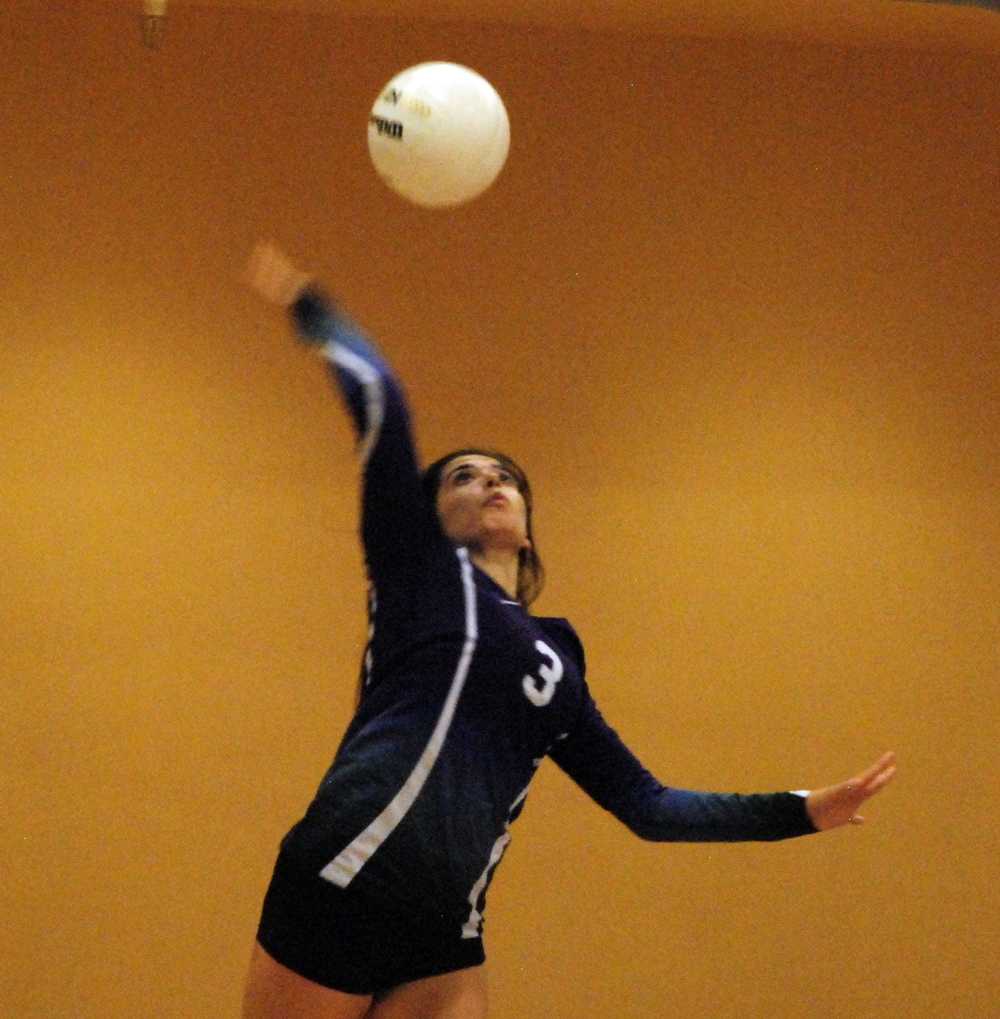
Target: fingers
[267,270]
[835,805]
[865,785]
[271,273]
[872,779]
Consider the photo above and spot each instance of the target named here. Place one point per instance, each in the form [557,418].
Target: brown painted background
[735,307]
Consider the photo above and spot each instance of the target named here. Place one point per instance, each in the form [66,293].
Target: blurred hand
[271,273]
[835,805]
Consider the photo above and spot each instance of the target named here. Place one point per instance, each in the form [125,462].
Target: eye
[462,475]
[505,476]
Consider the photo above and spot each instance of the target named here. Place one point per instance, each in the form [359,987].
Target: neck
[501,567]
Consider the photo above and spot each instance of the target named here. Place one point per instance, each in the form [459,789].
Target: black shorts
[350,940]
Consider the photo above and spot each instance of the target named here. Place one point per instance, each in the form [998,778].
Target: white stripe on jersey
[371,382]
[345,867]
[471,927]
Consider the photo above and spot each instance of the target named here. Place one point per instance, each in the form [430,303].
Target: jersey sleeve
[594,756]
[397,523]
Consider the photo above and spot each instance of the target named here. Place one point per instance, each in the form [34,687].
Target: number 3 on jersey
[540,689]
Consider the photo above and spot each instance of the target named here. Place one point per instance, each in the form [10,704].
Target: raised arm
[397,523]
[595,757]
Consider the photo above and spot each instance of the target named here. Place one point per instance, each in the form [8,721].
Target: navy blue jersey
[464,693]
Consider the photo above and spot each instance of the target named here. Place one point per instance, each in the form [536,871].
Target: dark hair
[530,572]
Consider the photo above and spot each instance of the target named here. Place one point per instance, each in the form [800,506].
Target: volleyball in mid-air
[438,134]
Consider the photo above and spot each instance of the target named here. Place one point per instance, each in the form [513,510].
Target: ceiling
[912,24]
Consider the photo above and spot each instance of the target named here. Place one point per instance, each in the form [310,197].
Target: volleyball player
[375,907]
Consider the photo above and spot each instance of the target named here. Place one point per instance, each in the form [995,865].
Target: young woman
[375,907]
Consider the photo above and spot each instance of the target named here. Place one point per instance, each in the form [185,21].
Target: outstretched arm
[595,757]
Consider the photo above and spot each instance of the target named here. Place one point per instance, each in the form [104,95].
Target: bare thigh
[274,992]
[458,995]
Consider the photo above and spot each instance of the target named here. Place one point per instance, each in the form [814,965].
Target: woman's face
[479,505]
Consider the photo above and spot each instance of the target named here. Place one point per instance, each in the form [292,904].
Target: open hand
[835,805]
[272,274]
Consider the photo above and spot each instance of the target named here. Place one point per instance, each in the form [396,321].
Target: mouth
[497,500]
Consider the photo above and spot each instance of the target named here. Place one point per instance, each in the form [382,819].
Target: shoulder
[562,633]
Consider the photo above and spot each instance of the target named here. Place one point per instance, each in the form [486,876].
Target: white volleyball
[438,134]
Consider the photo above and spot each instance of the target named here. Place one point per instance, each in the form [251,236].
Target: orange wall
[734,306]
